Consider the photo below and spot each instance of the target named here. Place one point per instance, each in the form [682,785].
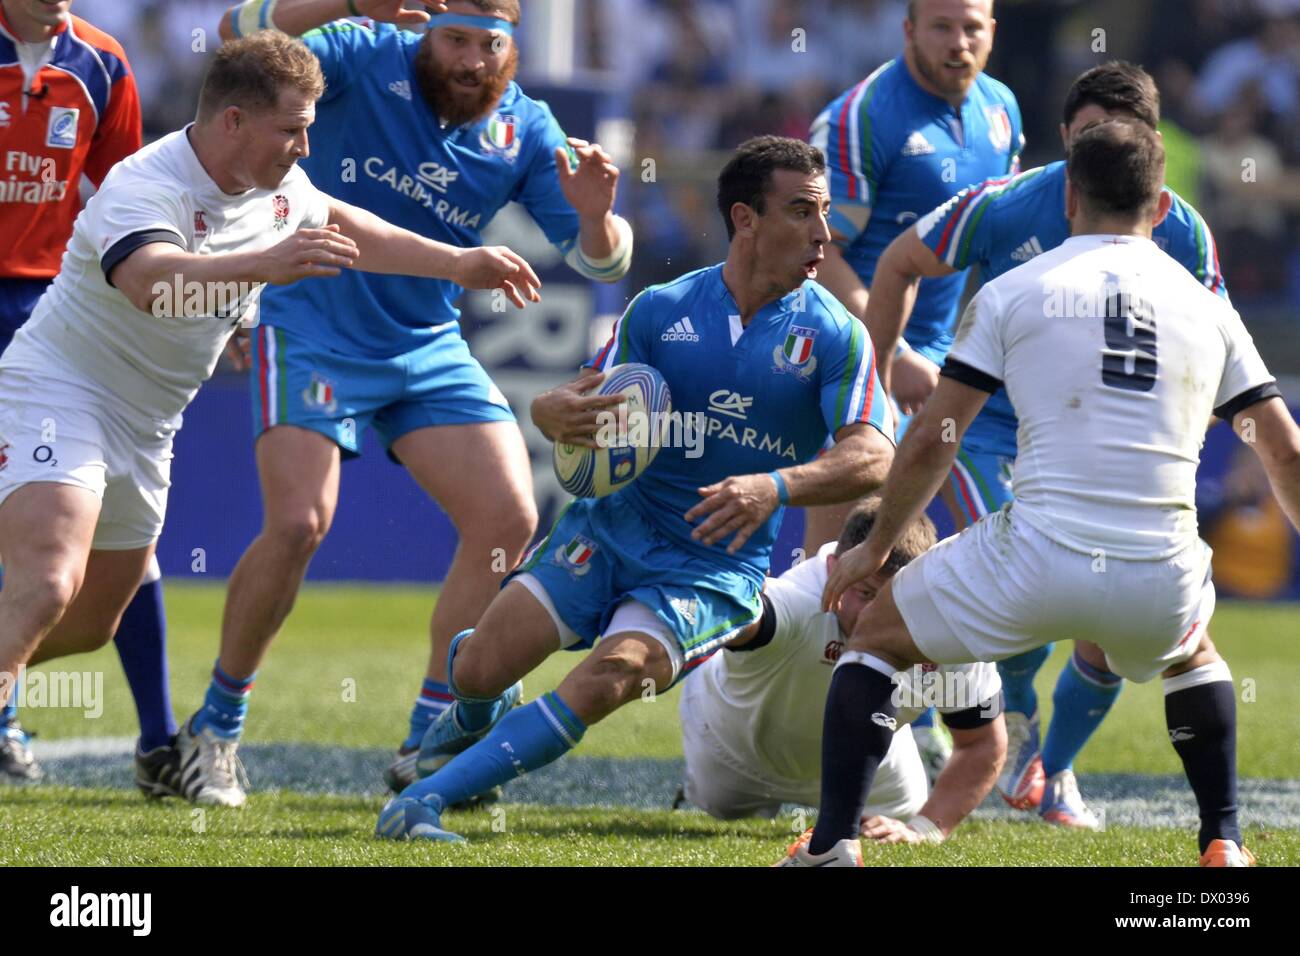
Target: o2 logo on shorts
[44,455]
[62,131]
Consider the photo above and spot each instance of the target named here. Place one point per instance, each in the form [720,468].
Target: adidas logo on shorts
[682,331]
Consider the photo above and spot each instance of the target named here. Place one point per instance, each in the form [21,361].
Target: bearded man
[430,132]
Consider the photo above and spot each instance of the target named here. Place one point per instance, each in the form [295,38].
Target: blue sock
[435,697]
[1082,698]
[225,705]
[141,643]
[9,712]
[926,719]
[1018,680]
[527,738]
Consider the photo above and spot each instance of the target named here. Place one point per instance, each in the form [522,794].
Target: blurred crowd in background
[705,74]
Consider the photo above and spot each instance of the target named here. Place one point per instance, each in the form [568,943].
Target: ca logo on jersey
[575,555]
[999,127]
[727,402]
[62,131]
[501,136]
[795,355]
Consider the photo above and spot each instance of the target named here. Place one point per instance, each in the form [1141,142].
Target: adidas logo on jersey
[917,145]
[401,87]
[1028,250]
[682,331]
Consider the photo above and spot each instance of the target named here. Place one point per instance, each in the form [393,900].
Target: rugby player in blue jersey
[996,226]
[668,569]
[429,131]
[899,143]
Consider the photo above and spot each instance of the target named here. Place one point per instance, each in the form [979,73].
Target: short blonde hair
[250,73]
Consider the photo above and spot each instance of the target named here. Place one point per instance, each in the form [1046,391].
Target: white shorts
[631,615]
[718,783]
[52,430]
[1001,588]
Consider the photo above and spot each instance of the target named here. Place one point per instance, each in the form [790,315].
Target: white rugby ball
[630,437]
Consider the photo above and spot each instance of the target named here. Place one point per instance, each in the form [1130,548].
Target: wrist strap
[782,492]
[927,828]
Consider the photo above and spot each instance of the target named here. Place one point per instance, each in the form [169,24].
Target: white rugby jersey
[1114,357]
[765,706]
[154,365]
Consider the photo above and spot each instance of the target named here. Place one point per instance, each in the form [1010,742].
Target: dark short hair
[748,174]
[250,73]
[1117,87]
[917,538]
[1117,167]
[911,10]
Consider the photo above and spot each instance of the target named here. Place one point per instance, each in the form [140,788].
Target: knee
[475,674]
[613,681]
[45,598]
[300,530]
[508,524]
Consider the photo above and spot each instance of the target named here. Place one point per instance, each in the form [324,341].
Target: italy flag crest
[798,345]
[501,131]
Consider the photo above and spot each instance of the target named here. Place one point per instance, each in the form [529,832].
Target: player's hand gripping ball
[629,436]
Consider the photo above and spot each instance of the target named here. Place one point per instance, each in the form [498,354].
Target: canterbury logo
[884,720]
[682,331]
[1177,734]
[1028,250]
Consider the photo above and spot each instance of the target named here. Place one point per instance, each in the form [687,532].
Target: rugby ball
[630,435]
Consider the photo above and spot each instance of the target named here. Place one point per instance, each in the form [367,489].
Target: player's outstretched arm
[158,274]
[296,17]
[569,413]
[854,467]
[383,247]
[923,461]
[1270,431]
[893,293]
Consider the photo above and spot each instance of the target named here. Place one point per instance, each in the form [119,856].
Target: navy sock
[526,738]
[1017,675]
[141,643]
[856,731]
[1201,713]
[1083,697]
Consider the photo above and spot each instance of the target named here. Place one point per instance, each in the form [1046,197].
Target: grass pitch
[343,675]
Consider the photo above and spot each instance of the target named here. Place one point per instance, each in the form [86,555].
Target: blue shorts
[981,483]
[296,382]
[604,551]
[17,299]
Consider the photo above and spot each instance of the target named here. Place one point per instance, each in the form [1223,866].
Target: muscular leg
[860,716]
[45,535]
[1201,714]
[91,620]
[491,506]
[539,733]
[299,474]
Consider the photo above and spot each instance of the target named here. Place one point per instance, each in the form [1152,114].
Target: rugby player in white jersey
[1114,357]
[167,259]
[752,715]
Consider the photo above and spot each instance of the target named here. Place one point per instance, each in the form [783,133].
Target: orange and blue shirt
[78,113]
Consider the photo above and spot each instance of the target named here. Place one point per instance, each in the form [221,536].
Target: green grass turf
[65,827]
[373,640]
[375,637]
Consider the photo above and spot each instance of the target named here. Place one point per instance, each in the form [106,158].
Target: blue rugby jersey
[898,151]
[1002,223]
[769,393]
[377,144]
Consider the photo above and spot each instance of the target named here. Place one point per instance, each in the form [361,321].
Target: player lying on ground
[903,140]
[165,261]
[996,226]
[668,569]
[439,138]
[752,715]
[1114,358]
[83,84]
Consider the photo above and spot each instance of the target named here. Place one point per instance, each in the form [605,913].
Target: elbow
[877,459]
